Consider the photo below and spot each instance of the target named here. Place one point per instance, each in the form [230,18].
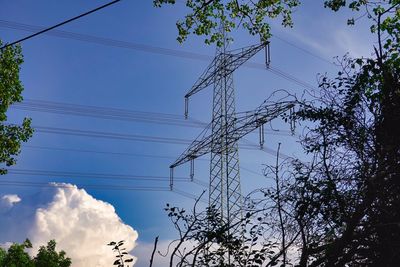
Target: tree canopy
[11,136]
[342,207]
[16,256]
[205,16]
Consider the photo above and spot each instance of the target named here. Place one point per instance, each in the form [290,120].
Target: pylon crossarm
[245,122]
[263,113]
[252,120]
[195,150]
[199,147]
[230,62]
[240,56]
[205,79]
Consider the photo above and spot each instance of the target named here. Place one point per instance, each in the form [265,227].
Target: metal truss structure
[221,136]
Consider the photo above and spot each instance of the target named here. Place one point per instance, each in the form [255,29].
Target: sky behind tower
[105,94]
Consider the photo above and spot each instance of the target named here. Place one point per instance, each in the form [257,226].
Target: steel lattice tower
[221,136]
[224,188]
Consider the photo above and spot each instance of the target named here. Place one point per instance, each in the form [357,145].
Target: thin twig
[154,251]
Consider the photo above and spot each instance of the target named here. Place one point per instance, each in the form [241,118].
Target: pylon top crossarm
[245,122]
[231,61]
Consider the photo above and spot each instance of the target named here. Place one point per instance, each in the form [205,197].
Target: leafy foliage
[121,253]
[205,16]
[47,256]
[11,136]
[206,240]
[342,208]
[16,256]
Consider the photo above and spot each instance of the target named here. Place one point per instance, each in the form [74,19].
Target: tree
[348,199]
[16,256]
[11,88]
[205,240]
[3,254]
[206,15]
[49,257]
[342,208]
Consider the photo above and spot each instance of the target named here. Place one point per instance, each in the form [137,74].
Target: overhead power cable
[86,186]
[131,137]
[189,195]
[97,187]
[96,176]
[145,138]
[106,113]
[60,24]
[112,153]
[147,48]
[303,50]
[110,135]
[115,114]
[81,37]
[105,41]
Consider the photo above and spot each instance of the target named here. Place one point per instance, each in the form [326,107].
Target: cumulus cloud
[81,224]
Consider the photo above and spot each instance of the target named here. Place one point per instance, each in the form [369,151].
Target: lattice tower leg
[225,192]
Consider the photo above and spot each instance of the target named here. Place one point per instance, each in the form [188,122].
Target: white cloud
[338,43]
[7,201]
[81,224]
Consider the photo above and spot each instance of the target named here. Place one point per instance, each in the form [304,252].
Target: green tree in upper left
[11,136]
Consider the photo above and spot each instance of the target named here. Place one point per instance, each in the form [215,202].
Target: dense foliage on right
[342,207]
[346,203]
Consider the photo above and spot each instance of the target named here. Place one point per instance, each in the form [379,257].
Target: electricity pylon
[226,127]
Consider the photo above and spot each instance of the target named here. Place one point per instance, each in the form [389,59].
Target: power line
[287,42]
[148,48]
[106,113]
[99,109]
[106,41]
[91,186]
[124,154]
[127,137]
[95,39]
[290,77]
[97,187]
[88,175]
[266,149]
[98,152]
[303,50]
[60,24]
[189,195]
[115,114]
[141,138]
[99,176]
[110,135]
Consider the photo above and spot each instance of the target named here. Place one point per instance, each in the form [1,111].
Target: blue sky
[83,73]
